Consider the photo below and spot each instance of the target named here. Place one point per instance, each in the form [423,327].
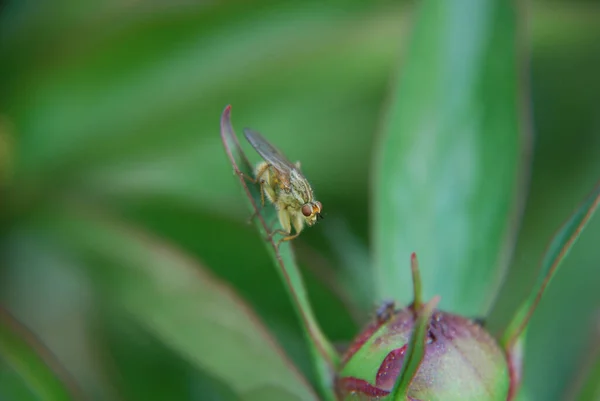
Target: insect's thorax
[300,188]
[292,192]
[287,191]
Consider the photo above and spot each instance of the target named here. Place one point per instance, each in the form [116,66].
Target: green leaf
[269,394]
[142,368]
[352,257]
[202,234]
[12,386]
[325,357]
[557,250]
[415,352]
[523,396]
[587,380]
[176,300]
[447,168]
[30,365]
[590,390]
[565,85]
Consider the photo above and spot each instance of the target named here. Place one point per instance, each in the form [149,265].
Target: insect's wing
[268,152]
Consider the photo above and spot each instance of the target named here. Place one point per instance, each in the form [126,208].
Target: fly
[284,185]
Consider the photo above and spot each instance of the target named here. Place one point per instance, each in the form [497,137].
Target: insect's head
[312,212]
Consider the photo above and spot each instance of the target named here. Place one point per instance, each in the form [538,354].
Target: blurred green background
[114,107]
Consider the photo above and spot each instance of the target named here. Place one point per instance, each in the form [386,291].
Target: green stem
[416,276]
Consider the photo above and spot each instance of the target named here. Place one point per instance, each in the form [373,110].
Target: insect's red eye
[306,210]
[319,206]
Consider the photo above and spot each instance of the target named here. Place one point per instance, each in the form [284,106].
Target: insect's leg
[286,237]
[262,197]
[279,231]
[284,220]
[298,223]
[269,224]
[246,176]
[272,223]
[265,189]
[251,218]
[262,169]
[253,181]
[289,237]
[258,208]
[264,179]
[268,189]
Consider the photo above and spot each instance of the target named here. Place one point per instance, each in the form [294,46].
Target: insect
[282,183]
[385,311]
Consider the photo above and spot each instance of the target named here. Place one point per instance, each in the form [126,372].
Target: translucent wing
[268,152]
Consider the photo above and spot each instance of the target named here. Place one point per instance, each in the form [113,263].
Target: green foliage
[449,157]
[27,370]
[130,355]
[559,248]
[414,352]
[591,388]
[109,137]
[177,301]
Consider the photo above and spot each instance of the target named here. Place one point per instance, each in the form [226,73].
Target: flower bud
[461,362]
